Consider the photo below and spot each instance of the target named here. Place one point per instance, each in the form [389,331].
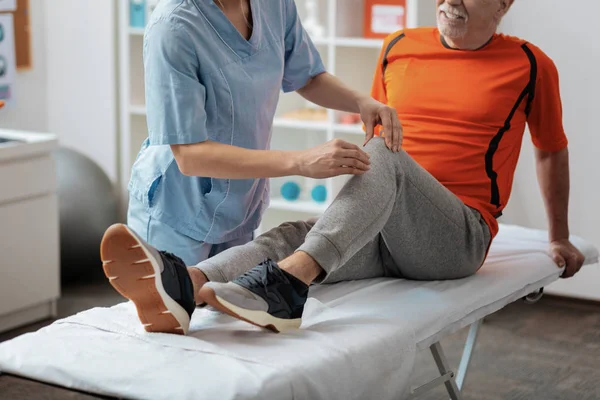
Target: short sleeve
[175,97]
[545,118]
[302,60]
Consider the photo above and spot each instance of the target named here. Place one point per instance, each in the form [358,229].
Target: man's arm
[329,92]
[553,177]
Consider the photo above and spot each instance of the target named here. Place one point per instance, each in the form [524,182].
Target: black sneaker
[157,282]
[265,296]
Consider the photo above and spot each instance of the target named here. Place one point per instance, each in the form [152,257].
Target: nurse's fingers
[354,163]
[370,132]
[397,138]
[351,146]
[347,145]
[355,154]
[386,120]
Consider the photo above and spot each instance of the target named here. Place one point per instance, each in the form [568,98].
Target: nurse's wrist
[361,100]
[293,163]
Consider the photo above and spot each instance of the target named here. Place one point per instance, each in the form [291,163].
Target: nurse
[214,70]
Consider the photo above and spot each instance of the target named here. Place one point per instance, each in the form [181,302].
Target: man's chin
[451,33]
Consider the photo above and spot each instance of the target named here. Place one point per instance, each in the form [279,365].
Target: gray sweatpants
[394,221]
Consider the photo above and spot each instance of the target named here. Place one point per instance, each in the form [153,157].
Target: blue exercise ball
[88,205]
[319,193]
[290,191]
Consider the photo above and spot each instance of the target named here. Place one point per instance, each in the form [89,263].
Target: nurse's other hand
[333,158]
[374,113]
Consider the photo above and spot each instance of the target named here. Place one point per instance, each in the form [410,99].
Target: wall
[81,65]
[567,34]
[30,111]
[71,89]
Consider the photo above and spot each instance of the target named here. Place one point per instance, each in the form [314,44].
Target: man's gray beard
[452,33]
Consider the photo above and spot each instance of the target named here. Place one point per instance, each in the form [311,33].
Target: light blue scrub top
[205,81]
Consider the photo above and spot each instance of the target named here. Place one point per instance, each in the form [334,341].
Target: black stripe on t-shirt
[532,77]
[495,142]
[387,51]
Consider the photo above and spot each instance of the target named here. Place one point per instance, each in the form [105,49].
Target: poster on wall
[7,58]
[8,5]
[23,29]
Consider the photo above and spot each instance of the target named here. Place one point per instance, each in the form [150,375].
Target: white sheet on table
[358,339]
[104,350]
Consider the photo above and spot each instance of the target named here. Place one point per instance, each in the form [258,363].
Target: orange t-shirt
[464,112]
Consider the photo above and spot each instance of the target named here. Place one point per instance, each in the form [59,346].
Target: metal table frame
[454,382]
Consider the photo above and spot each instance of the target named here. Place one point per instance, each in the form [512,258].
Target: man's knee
[377,146]
[380,155]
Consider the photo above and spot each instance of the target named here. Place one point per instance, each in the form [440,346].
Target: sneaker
[157,282]
[265,296]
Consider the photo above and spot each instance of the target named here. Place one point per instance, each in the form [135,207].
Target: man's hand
[374,113]
[333,158]
[566,255]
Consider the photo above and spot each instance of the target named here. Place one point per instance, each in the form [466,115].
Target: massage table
[358,339]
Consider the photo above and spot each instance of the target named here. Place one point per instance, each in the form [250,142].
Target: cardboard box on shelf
[383,17]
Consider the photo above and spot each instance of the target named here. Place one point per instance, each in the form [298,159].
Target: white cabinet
[29,229]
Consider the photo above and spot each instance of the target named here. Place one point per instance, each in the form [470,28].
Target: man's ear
[506,4]
[504,7]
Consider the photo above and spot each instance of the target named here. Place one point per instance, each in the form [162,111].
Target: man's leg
[277,244]
[419,220]
[429,232]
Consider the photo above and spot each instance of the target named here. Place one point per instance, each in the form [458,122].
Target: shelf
[324,41]
[299,124]
[298,205]
[137,110]
[136,31]
[285,123]
[359,42]
[356,42]
[349,128]
[321,41]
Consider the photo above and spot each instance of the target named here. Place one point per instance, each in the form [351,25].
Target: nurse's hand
[374,113]
[333,158]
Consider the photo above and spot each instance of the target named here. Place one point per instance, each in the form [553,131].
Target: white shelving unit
[345,53]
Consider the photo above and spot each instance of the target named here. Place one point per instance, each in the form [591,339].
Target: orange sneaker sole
[131,272]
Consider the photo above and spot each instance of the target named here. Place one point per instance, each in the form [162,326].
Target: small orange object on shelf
[350,119]
[383,17]
[1,104]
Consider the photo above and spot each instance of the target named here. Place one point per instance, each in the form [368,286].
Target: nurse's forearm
[217,160]
[328,91]
[222,161]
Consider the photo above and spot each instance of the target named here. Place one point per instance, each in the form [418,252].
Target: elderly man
[426,210]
